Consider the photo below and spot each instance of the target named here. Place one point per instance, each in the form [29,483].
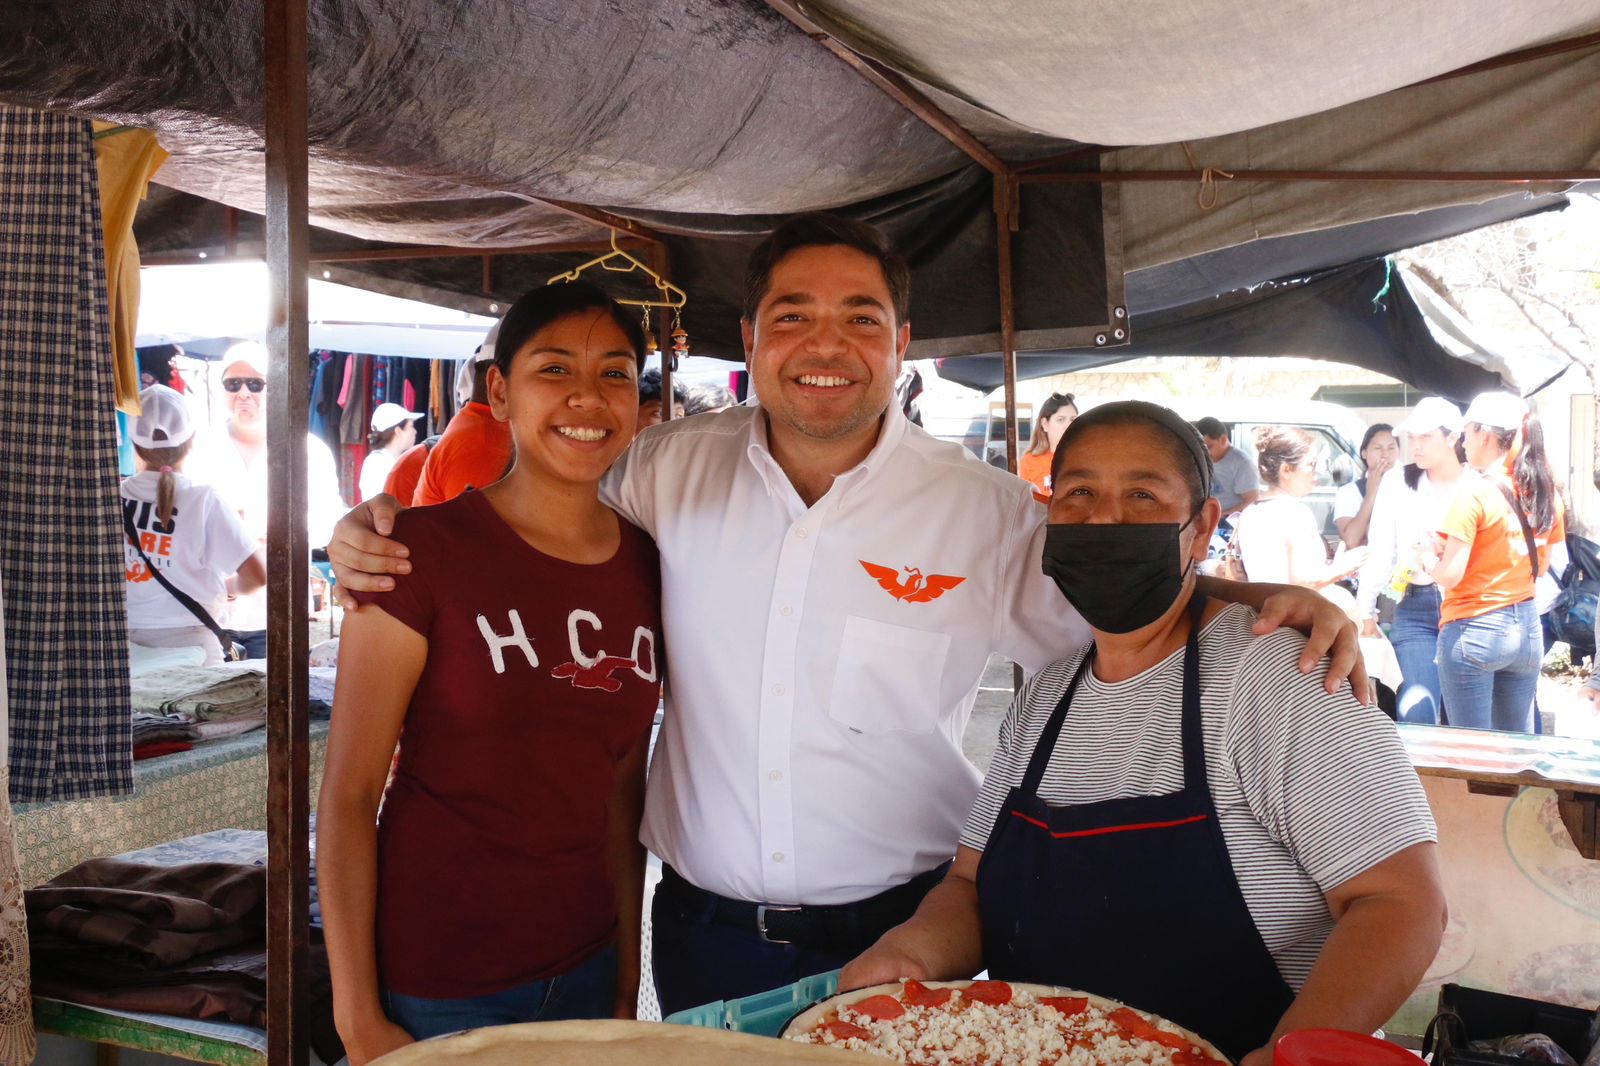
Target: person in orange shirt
[475,448]
[1496,537]
[1055,415]
[407,471]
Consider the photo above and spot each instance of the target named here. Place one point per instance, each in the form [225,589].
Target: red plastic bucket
[1334,1047]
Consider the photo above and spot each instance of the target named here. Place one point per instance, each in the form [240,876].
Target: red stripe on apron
[1110,828]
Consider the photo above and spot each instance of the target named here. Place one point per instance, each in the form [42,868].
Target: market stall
[923,90]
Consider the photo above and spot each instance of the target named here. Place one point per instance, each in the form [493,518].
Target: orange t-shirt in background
[407,471]
[1035,469]
[473,453]
[1497,572]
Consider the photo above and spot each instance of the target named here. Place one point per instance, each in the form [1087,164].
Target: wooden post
[288,554]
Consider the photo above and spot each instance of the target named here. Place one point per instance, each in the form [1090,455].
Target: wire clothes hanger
[619,261]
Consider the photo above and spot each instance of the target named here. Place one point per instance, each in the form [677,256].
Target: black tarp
[1359,314]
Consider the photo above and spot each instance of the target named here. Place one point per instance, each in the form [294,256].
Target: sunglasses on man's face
[235,384]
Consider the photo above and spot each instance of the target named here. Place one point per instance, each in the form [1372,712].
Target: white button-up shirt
[822,661]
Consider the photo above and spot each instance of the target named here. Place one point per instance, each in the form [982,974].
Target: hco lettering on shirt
[498,644]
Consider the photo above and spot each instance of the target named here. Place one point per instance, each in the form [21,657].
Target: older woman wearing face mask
[1169,819]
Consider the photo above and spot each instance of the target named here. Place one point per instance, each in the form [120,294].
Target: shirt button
[786,610]
[775,775]
[801,532]
[777,856]
[777,690]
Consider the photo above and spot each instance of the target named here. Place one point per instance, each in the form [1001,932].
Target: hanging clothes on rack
[126,159]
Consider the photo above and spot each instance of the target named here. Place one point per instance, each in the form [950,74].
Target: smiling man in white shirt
[834,581]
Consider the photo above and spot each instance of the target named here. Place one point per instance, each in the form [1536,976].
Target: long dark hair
[1531,475]
[1038,444]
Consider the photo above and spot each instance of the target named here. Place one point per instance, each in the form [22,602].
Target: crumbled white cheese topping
[1023,1032]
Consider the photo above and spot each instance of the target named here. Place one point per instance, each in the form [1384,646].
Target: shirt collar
[758,447]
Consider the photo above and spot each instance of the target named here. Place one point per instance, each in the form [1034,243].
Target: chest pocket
[888,677]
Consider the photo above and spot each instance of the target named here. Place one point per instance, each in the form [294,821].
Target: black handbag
[230,651]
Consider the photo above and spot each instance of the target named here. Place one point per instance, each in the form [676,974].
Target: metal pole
[288,554]
[1005,214]
[663,266]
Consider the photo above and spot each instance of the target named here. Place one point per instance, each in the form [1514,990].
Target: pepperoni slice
[841,1030]
[1067,1005]
[1135,1025]
[879,1008]
[920,995]
[993,993]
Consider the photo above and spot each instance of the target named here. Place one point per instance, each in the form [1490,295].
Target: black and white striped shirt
[1310,789]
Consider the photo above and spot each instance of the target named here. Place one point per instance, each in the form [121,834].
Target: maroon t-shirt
[492,860]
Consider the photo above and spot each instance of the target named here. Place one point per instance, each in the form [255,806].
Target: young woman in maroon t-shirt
[516,665]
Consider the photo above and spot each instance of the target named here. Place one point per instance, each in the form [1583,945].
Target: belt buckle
[762,910]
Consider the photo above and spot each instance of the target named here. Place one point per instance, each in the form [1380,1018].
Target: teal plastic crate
[764,1013]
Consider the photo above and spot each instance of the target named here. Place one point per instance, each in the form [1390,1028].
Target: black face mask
[1119,577]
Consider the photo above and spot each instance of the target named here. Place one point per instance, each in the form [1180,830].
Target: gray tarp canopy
[460,123]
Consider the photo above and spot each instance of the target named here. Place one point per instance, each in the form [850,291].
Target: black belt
[825,927]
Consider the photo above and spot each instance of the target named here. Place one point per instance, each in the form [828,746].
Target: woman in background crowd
[394,429]
[1278,536]
[1353,503]
[183,531]
[1055,415]
[1409,509]
[1495,540]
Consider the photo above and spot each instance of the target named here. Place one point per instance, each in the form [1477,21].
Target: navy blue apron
[1134,899]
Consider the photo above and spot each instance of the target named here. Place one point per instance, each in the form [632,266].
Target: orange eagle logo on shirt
[597,674]
[916,588]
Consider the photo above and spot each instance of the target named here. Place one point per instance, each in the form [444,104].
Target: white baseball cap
[389,415]
[164,412]
[486,349]
[1497,410]
[251,354]
[1434,412]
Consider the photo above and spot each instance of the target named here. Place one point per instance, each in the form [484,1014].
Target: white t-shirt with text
[197,550]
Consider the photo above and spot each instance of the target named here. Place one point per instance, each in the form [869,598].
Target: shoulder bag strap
[228,651]
[1527,530]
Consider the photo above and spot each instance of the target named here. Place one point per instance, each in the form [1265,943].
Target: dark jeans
[698,959]
[253,641]
[588,990]
[1415,636]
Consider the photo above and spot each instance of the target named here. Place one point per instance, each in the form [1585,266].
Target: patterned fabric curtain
[17,1041]
[65,613]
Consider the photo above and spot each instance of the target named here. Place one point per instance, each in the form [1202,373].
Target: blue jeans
[1415,636]
[1489,668]
[588,990]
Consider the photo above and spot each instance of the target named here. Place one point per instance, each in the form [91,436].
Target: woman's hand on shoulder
[362,551]
[1329,632]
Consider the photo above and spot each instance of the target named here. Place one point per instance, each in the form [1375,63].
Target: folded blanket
[187,940]
[157,748]
[229,690]
[151,728]
[146,915]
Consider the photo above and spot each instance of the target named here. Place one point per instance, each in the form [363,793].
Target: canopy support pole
[663,267]
[288,555]
[1005,216]
[896,87]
